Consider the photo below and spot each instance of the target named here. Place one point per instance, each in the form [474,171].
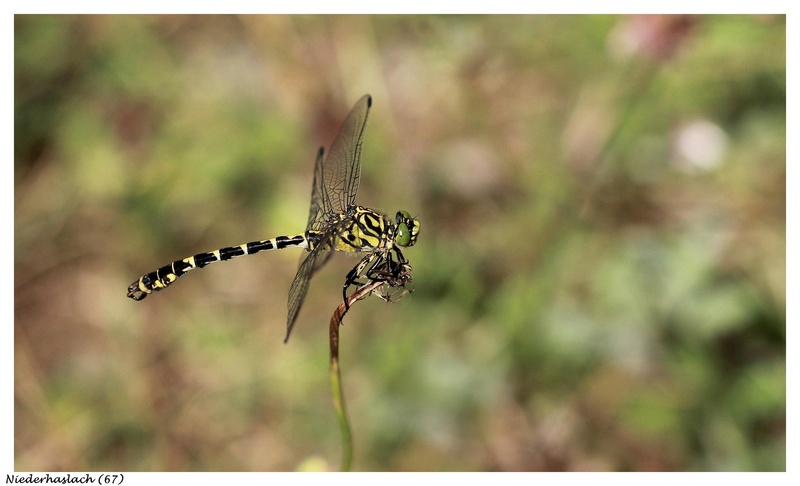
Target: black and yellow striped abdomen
[166,275]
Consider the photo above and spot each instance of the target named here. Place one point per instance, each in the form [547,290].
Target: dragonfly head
[407,229]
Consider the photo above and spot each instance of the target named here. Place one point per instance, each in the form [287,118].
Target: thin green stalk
[341,414]
[336,378]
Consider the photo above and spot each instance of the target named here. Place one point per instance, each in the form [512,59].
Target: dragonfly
[335,223]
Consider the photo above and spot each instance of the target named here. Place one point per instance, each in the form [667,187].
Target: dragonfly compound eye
[403,236]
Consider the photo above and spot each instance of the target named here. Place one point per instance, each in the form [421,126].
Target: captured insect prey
[335,223]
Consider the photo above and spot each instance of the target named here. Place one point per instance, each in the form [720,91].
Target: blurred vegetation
[600,275]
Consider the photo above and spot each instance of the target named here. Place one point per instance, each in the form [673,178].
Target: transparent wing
[334,189]
[318,210]
[309,265]
[342,167]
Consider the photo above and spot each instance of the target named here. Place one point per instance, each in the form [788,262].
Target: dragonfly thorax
[362,229]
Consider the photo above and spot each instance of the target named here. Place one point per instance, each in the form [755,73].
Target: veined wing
[334,189]
[299,288]
[342,168]
[310,264]
[319,208]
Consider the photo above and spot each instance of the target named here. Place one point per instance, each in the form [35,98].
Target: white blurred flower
[700,145]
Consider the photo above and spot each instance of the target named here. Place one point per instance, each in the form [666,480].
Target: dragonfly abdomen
[166,275]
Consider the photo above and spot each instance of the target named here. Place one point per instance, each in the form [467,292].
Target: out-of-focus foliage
[600,275]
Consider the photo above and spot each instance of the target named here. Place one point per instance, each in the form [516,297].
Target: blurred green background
[600,275]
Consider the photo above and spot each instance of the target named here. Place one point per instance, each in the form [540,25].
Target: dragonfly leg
[376,267]
[357,272]
[395,275]
[400,258]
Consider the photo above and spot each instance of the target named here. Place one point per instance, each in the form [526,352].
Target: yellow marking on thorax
[365,233]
